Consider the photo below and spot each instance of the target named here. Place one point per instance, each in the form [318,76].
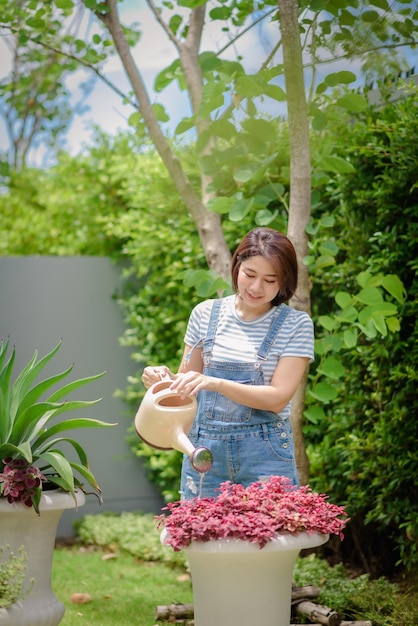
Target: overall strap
[213,323]
[276,322]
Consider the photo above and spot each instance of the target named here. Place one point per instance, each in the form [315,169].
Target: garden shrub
[363,453]
[134,533]
[117,200]
[357,597]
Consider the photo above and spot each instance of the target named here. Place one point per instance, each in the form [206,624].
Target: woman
[244,357]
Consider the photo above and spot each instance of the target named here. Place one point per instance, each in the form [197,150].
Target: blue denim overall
[247,444]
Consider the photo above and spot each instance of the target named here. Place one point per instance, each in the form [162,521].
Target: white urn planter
[21,526]
[235,583]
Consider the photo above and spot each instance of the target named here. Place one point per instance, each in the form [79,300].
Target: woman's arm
[273,397]
[153,374]
[194,362]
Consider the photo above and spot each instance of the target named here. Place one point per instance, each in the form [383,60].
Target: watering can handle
[162,390]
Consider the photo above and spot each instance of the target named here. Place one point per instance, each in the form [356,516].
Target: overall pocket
[220,408]
[279,440]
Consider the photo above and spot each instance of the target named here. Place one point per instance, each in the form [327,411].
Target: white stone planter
[21,526]
[235,583]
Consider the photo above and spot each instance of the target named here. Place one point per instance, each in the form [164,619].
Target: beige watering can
[163,421]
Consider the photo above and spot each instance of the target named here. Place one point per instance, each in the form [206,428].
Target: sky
[103,107]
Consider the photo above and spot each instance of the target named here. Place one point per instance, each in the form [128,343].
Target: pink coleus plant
[20,481]
[255,513]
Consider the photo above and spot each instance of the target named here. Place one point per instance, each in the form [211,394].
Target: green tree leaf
[332,368]
[323,392]
[394,286]
[335,164]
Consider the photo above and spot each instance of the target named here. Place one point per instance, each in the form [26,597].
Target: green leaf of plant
[324,261]
[88,475]
[380,324]
[209,62]
[330,343]
[246,172]
[350,337]
[369,17]
[69,424]
[35,416]
[394,286]
[240,209]
[319,120]
[314,414]
[364,278]
[312,228]
[275,92]
[168,75]
[368,329]
[329,248]
[175,23]
[324,392]
[221,205]
[59,463]
[193,278]
[160,112]
[24,450]
[327,322]
[261,128]
[39,390]
[229,70]
[248,87]
[220,13]
[348,315]
[135,119]
[353,102]
[274,191]
[222,128]
[185,125]
[29,373]
[370,295]
[212,98]
[343,299]
[261,201]
[383,309]
[340,78]
[393,324]
[64,4]
[73,386]
[264,217]
[381,4]
[335,164]
[331,367]
[191,4]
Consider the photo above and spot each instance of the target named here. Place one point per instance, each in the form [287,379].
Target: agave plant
[30,444]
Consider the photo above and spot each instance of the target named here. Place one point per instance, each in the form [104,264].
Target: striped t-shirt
[239,340]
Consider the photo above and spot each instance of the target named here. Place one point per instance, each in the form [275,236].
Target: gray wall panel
[45,299]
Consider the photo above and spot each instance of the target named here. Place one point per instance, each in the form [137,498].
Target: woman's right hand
[152,375]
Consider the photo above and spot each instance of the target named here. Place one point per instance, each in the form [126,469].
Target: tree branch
[157,14]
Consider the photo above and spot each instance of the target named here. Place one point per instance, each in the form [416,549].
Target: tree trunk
[319,613]
[208,223]
[300,191]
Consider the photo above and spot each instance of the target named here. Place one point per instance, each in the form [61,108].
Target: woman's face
[257,283]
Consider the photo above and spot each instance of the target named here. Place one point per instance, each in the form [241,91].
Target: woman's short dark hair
[277,250]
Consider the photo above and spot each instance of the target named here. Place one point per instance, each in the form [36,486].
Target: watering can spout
[163,421]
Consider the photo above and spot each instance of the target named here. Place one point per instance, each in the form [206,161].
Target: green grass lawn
[119,561]
[124,591]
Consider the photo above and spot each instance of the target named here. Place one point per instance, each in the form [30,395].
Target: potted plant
[243,544]
[12,577]
[37,481]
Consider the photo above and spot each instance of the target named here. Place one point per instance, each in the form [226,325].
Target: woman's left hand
[190,383]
